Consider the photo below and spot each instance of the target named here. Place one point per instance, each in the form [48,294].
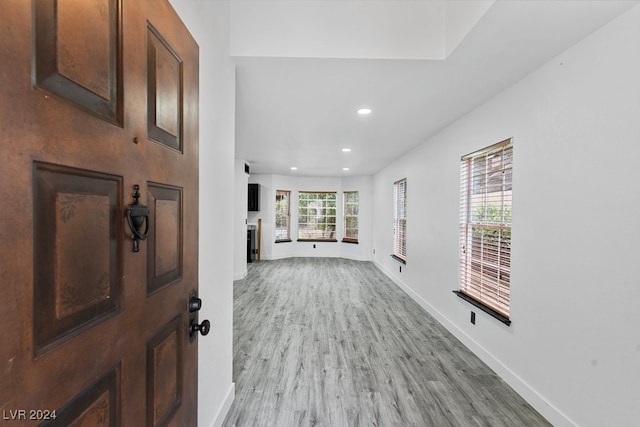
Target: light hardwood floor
[333,342]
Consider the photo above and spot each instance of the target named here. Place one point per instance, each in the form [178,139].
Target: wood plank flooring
[333,342]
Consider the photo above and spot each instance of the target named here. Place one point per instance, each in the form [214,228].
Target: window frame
[326,224]
[346,238]
[287,215]
[400,220]
[485,229]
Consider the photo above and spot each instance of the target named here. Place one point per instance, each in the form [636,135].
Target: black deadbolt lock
[195,303]
[137,215]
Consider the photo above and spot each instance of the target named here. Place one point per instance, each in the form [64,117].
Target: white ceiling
[297,106]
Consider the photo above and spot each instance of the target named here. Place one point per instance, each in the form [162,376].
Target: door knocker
[137,215]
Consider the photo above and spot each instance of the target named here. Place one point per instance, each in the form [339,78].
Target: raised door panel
[164,373]
[98,405]
[78,262]
[78,53]
[164,96]
[164,253]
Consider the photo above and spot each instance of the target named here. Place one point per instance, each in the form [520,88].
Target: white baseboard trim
[546,408]
[226,406]
[354,258]
[240,276]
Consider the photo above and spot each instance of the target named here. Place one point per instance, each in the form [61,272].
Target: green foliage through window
[317,215]
[351,201]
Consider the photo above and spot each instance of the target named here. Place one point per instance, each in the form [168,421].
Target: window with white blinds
[485,226]
[317,216]
[282,216]
[350,207]
[400,219]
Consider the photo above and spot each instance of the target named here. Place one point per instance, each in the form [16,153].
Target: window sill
[490,311]
[349,241]
[317,240]
[283,241]
[397,258]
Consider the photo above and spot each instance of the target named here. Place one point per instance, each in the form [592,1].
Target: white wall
[271,250]
[573,349]
[209,24]
[364,186]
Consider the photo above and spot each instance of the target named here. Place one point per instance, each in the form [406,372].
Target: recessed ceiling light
[345,169]
[346,150]
[293,168]
[364,111]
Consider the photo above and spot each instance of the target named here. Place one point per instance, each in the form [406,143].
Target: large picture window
[350,207]
[400,220]
[485,226]
[282,216]
[317,216]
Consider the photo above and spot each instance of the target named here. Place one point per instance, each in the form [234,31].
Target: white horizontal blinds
[350,202]
[400,219]
[317,215]
[282,214]
[485,225]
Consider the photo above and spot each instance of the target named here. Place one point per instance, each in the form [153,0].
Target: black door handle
[193,306]
[203,327]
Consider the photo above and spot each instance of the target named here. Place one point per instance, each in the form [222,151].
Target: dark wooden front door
[97,96]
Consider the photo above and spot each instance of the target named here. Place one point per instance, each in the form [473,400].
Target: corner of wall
[240,276]
[226,406]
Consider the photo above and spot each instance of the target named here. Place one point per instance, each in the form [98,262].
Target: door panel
[97,405]
[164,245]
[78,53]
[164,80]
[90,328]
[77,263]
[164,373]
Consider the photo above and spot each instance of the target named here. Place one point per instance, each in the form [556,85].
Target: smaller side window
[400,220]
[350,208]
[282,216]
